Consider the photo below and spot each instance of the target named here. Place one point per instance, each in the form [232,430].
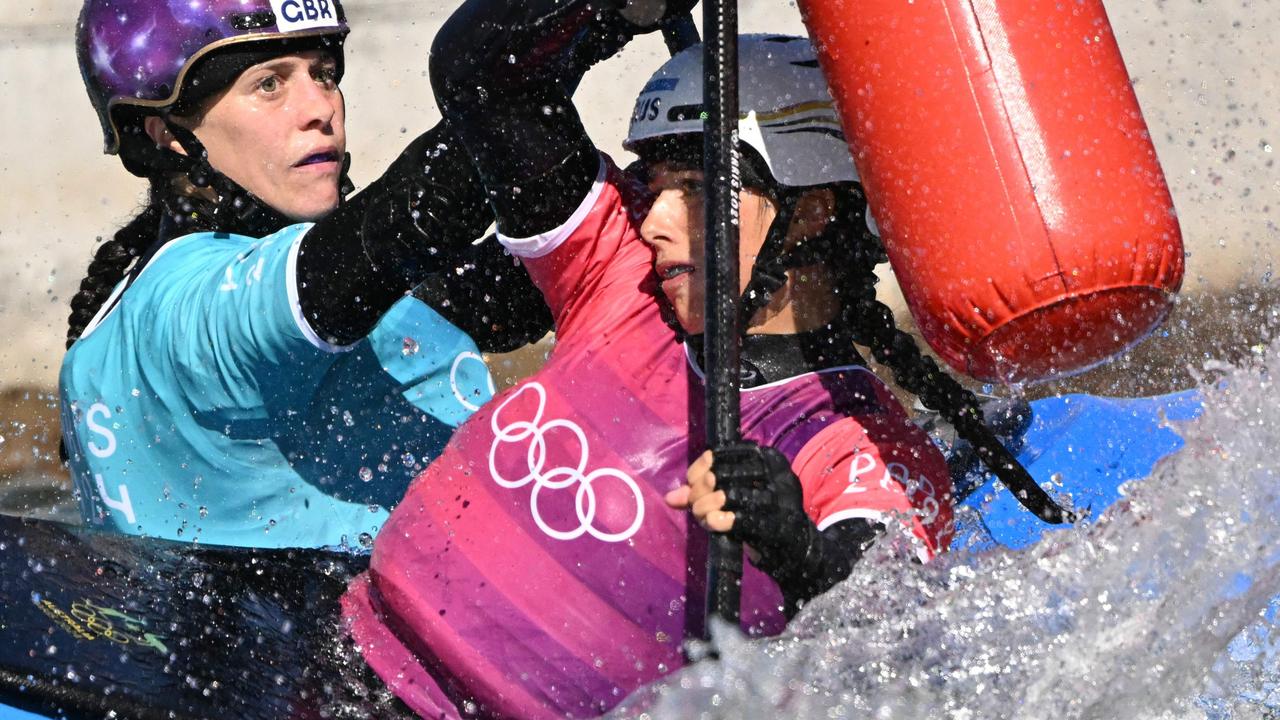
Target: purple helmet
[136,53]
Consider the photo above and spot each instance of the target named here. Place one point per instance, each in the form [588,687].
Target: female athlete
[256,359]
[544,566]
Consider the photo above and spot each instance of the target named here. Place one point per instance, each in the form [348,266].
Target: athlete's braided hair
[112,261]
[175,196]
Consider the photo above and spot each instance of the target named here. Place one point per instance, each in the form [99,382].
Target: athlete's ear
[160,135]
[814,209]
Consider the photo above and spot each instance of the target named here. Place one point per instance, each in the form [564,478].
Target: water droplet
[347,419]
[204,511]
[366,474]
[408,459]
[410,347]
[366,540]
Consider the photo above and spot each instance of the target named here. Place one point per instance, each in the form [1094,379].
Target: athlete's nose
[317,106]
[665,222]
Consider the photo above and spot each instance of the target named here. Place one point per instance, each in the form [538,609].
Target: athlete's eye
[326,75]
[269,84]
[690,186]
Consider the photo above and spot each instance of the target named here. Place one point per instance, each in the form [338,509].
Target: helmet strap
[196,162]
[769,271]
[345,186]
[235,206]
[235,209]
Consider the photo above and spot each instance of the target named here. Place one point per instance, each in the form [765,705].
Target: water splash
[1151,611]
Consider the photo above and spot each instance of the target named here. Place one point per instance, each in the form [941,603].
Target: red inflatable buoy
[1011,175]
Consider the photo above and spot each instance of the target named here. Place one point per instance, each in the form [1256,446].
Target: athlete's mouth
[315,158]
[667,272]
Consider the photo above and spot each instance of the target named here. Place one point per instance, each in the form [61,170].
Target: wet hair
[851,252]
[168,213]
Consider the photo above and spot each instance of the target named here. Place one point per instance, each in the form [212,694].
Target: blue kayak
[1083,445]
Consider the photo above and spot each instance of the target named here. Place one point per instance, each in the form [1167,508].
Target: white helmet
[785,109]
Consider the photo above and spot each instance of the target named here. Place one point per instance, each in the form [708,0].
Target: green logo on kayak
[87,621]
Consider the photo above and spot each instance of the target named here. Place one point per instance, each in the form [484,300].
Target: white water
[1132,616]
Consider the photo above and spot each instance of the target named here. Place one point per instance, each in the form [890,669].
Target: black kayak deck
[103,625]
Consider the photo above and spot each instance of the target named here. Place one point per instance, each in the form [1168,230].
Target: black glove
[767,501]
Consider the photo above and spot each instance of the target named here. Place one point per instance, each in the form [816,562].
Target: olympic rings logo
[453,379]
[544,479]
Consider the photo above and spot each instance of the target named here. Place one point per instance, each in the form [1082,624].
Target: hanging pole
[722,181]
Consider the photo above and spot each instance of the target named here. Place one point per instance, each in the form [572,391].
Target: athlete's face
[674,229]
[278,132]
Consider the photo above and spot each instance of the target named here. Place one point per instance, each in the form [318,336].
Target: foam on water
[1152,610]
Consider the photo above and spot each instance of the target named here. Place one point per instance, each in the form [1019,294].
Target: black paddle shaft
[722,180]
[679,33]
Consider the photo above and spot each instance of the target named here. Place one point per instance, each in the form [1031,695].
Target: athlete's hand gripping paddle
[751,494]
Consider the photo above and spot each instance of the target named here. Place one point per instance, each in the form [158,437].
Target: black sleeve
[490,297]
[417,224]
[501,70]
[819,559]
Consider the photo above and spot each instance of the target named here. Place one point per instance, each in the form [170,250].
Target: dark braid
[112,262]
[872,324]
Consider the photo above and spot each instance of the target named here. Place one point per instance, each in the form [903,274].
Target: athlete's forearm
[489,297]
[500,70]
[813,561]
[416,224]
